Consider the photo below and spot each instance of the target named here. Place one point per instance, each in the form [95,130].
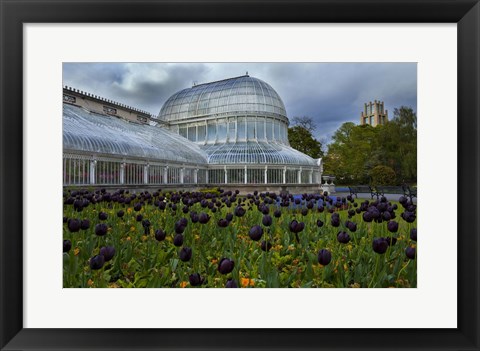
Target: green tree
[356,150]
[303,140]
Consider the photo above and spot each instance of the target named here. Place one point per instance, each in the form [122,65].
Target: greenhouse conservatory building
[229,132]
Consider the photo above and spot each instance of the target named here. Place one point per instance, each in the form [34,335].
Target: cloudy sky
[330,93]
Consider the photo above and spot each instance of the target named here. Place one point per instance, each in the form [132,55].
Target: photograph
[239,175]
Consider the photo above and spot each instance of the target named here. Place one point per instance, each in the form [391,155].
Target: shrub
[383,175]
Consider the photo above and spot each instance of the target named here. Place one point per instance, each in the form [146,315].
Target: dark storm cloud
[330,93]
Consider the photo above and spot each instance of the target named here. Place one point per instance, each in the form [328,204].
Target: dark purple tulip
[102,216]
[231,283]
[408,216]
[222,223]
[85,224]
[410,252]
[367,216]
[97,262]
[108,252]
[137,207]
[67,245]
[319,223]
[296,227]
[160,235]
[343,237]
[185,254]
[335,221]
[265,246]
[324,257]
[239,211]
[386,216]
[73,225]
[139,218]
[304,212]
[180,227]
[194,217]
[225,266]
[351,226]
[392,226]
[413,234]
[256,232]
[195,279]
[277,213]
[101,229]
[380,245]
[203,218]
[267,220]
[178,240]
[229,217]
[120,214]
[297,201]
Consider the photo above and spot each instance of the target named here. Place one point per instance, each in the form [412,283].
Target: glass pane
[201,133]
[222,131]
[241,128]
[261,129]
[212,131]
[251,129]
[269,125]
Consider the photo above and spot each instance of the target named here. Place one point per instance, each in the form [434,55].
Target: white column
[300,176]
[226,174]
[93,163]
[165,175]
[195,175]
[122,173]
[266,174]
[206,176]
[182,175]
[284,175]
[145,173]
[246,175]
[310,177]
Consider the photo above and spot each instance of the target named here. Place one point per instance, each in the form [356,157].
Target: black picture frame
[14,13]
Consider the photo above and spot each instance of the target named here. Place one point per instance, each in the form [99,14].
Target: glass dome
[94,133]
[224,98]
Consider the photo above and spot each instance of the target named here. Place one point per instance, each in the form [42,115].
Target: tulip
[225,266]
[139,218]
[203,218]
[413,234]
[324,257]
[392,226]
[107,252]
[256,232]
[222,223]
[265,246]
[239,211]
[137,207]
[120,214]
[351,226]
[97,262]
[195,279]
[319,223]
[267,220]
[178,240]
[231,283]
[102,216]
[343,237]
[101,229]
[73,225]
[67,245]
[380,245]
[229,217]
[84,224]
[160,235]
[185,254]
[410,252]
[277,213]
[296,227]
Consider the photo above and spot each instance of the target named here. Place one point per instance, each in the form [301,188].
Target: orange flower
[76,251]
[183,284]
[247,282]
[90,282]
[132,228]
[214,260]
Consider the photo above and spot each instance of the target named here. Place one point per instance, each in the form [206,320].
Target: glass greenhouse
[233,131]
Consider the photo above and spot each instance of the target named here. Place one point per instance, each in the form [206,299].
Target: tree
[356,150]
[302,139]
[305,122]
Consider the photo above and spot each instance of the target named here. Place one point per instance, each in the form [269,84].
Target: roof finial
[246,73]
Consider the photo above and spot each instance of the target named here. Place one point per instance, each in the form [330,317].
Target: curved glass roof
[234,96]
[256,153]
[90,132]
